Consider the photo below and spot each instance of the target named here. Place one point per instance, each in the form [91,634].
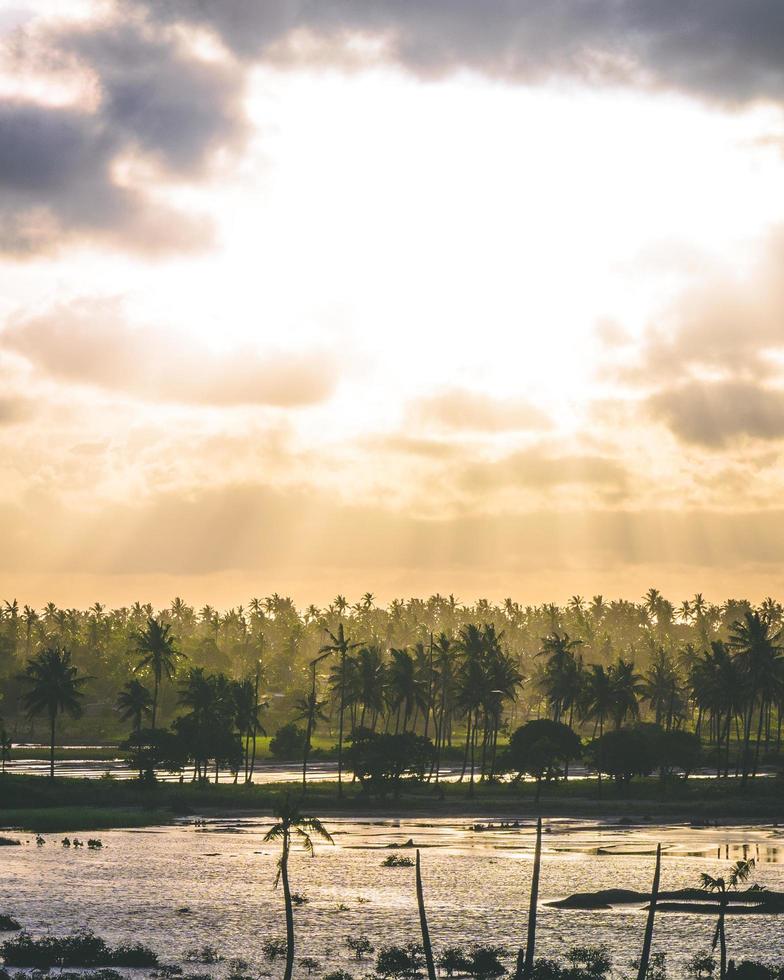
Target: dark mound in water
[752,900]
[8,924]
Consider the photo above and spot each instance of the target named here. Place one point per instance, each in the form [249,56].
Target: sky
[336,296]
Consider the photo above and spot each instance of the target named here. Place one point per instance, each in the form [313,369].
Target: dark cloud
[58,165]
[90,343]
[464,410]
[714,414]
[720,49]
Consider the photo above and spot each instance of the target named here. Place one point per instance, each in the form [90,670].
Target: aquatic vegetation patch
[395,861]
[80,949]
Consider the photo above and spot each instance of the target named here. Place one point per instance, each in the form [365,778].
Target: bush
[701,966]
[288,742]
[8,924]
[206,955]
[309,964]
[393,861]
[380,760]
[400,961]
[80,949]
[273,948]
[453,960]
[484,962]
[338,975]
[360,946]
[624,754]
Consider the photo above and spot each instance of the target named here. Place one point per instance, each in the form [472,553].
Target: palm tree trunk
[722,942]
[431,968]
[530,941]
[284,873]
[340,730]
[155,699]
[52,717]
[646,945]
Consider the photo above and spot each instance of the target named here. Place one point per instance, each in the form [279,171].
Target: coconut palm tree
[739,872]
[291,825]
[134,702]
[157,647]
[311,708]
[758,647]
[54,688]
[342,645]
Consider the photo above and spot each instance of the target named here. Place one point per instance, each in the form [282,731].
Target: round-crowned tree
[542,749]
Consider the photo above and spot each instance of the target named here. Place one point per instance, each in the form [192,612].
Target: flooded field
[180,887]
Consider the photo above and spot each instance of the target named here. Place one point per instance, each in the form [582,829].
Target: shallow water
[476,887]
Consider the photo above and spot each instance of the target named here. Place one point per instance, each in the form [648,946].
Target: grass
[37,803]
[59,819]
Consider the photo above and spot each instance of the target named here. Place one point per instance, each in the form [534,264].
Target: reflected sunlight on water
[476,886]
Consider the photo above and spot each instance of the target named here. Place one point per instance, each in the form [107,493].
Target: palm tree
[426,945]
[739,872]
[156,644]
[291,824]
[626,689]
[311,708]
[134,702]
[758,648]
[642,972]
[340,644]
[54,688]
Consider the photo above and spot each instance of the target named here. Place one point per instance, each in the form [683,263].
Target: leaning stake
[431,967]
[530,943]
[646,945]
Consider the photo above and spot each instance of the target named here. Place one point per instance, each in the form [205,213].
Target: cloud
[713,414]
[89,342]
[14,410]
[59,165]
[257,530]
[718,49]
[464,410]
[537,469]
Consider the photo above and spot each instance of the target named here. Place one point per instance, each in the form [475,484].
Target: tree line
[464,692]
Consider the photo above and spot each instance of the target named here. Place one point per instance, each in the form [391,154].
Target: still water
[476,887]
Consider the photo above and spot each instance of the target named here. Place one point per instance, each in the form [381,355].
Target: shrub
[701,966]
[453,960]
[484,962]
[393,861]
[309,964]
[400,961]
[206,955]
[360,946]
[80,949]
[592,962]
[273,948]
[338,975]
[8,924]
[288,742]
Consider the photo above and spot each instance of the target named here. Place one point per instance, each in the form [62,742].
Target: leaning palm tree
[525,959]
[426,945]
[54,687]
[642,971]
[739,872]
[156,645]
[340,644]
[292,825]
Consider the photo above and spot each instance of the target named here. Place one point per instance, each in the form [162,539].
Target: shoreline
[80,803]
